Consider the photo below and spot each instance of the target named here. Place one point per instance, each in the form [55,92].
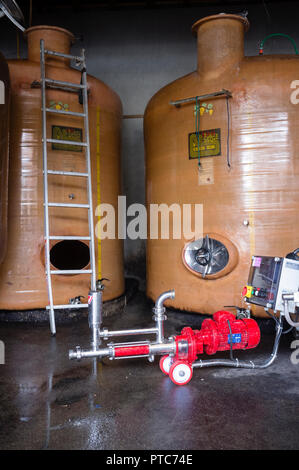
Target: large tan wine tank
[22,275]
[247,180]
[4,139]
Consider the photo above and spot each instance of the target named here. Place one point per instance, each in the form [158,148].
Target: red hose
[141,350]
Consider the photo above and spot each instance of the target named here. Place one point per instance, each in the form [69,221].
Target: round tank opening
[70,254]
[206,256]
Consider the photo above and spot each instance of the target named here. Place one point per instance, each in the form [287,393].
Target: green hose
[278,34]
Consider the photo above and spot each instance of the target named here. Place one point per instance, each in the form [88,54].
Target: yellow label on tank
[66,133]
[209,143]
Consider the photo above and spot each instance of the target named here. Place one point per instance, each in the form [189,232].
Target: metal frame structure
[160,346]
[86,145]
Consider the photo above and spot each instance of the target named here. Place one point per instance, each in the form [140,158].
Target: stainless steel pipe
[81,354]
[160,346]
[286,299]
[159,305]
[159,318]
[95,313]
[141,331]
[159,313]
[154,349]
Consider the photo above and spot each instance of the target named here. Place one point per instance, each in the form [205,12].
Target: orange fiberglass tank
[4,138]
[247,180]
[22,275]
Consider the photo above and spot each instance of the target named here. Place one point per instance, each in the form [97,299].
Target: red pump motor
[223,333]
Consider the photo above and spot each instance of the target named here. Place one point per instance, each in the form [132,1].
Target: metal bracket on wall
[223,92]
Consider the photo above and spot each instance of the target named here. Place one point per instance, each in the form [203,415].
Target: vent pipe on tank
[220,43]
[56,39]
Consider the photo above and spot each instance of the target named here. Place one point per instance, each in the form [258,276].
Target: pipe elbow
[170,294]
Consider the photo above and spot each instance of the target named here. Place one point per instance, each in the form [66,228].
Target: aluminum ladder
[67,86]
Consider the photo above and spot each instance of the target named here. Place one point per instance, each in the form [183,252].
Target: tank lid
[220,16]
[50,28]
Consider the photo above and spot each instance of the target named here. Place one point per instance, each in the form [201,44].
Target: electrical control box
[268,279]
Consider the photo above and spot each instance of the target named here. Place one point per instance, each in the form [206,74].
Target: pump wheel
[165,364]
[180,373]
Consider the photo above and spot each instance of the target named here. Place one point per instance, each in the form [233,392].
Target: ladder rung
[67,173]
[62,204]
[56,307]
[62,83]
[66,142]
[60,111]
[71,271]
[66,56]
[67,237]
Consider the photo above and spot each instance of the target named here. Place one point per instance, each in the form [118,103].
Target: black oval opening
[70,254]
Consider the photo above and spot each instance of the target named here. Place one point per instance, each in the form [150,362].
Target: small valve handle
[241,312]
[100,285]
[77,299]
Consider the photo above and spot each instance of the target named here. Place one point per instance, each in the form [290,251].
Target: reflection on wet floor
[49,402]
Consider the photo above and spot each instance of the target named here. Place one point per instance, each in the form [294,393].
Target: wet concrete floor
[49,402]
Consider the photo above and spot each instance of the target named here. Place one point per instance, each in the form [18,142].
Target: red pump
[223,333]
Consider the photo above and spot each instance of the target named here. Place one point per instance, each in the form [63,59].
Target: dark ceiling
[50,5]
[34,8]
